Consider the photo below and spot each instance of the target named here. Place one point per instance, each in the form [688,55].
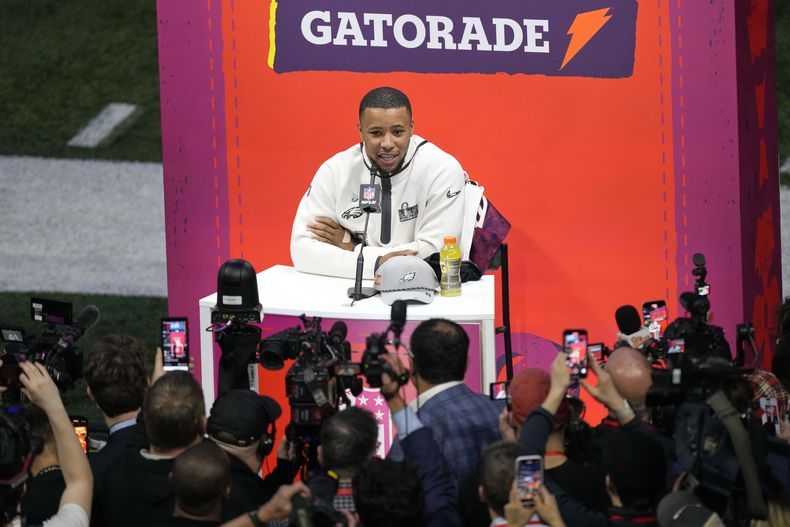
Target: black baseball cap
[242,416]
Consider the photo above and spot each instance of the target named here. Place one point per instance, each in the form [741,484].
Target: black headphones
[265,441]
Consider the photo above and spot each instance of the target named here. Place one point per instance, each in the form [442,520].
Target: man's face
[386,133]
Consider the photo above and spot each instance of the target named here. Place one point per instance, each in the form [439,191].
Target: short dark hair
[39,423]
[348,440]
[116,374]
[173,410]
[440,349]
[497,470]
[636,464]
[384,97]
[387,494]
[201,474]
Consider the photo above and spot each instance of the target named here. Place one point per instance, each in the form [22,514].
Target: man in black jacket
[242,423]
[137,489]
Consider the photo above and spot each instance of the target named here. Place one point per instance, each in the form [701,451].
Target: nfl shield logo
[369,193]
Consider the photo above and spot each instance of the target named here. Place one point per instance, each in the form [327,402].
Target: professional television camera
[232,321]
[702,400]
[18,447]
[322,371]
[54,348]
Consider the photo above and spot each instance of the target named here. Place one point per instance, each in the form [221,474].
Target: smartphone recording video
[80,425]
[656,317]
[175,344]
[575,345]
[529,478]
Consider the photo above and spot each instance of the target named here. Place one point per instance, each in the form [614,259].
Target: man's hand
[507,432]
[546,505]
[285,450]
[560,381]
[39,387]
[381,259]
[280,505]
[390,387]
[516,514]
[606,393]
[328,231]
[159,366]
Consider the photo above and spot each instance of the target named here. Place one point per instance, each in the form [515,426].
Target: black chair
[500,262]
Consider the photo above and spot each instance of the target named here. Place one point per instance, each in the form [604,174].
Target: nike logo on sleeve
[451,195]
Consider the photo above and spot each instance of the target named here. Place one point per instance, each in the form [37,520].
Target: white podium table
[283,290]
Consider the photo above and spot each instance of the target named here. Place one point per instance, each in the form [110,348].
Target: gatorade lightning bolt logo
[539,37]
[584,27]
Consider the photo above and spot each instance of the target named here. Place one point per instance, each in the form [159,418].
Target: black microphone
[630,325]
[397,321]
[86,319]
[337,337]
[369,201]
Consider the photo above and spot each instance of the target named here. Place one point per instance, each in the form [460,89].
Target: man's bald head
[631,374]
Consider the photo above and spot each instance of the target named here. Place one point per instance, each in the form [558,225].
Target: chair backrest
[484,228]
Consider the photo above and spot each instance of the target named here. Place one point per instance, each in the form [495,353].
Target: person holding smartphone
[634,462]
[76,500]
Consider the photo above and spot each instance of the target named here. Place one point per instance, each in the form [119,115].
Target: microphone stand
[358,292]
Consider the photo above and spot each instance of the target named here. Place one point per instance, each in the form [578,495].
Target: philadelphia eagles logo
[353,212]
[408,277]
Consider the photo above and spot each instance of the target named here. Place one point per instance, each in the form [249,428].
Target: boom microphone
[630,325]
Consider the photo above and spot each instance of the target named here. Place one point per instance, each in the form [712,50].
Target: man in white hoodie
[422,197]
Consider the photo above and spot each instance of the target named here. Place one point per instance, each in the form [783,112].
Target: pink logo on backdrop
[372,401]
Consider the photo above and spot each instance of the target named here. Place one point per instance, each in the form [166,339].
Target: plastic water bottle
[450,263]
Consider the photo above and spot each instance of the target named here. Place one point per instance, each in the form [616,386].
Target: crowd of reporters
[452,461]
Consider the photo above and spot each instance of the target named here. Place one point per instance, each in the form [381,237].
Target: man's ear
[227,492]
[481,494]
[320,452]
[89,393]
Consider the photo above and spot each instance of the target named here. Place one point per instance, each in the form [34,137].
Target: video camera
[54,348]
[700,397]
[322,371]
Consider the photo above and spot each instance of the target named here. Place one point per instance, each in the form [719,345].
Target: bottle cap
[449,239]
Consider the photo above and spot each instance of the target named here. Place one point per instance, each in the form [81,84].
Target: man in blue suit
[462,422]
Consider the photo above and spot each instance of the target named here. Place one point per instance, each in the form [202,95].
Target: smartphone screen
[575,341]
[529,477]
[770,415]
[80,425]
[498,391]
[596,351]
[656,317]
[174,344]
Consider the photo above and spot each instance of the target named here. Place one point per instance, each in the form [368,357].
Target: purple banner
[583,38]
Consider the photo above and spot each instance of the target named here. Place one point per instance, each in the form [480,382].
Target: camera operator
[634,463]
[117,380]
[242,423]
[348,441]
[463,422]
[75,502]
[422,457]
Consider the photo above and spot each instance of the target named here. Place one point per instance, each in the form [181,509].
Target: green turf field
[137,316]
[63,61]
